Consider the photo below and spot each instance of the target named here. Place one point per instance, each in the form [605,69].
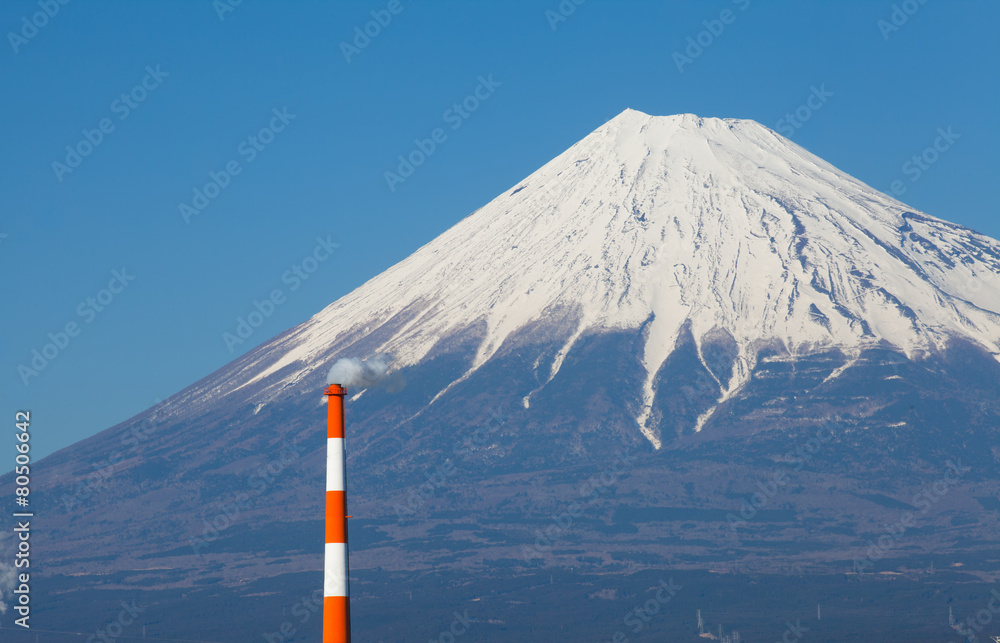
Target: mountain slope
[658,222]
[654,324]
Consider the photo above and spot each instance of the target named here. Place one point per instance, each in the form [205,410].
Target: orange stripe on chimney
[336,602]
[336,619]
[336,505]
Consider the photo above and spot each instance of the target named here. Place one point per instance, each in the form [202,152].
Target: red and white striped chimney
[336,601]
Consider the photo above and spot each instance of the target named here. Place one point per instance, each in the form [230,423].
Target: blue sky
[557,71]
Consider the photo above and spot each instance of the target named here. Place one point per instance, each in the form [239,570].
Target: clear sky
[180,87]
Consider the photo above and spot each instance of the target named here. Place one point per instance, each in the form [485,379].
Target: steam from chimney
[8,577]
[352,372]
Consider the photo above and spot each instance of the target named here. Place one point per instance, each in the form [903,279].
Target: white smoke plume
[8,576]
[354,372]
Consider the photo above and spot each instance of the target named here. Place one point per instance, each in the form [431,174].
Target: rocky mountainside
[684,343]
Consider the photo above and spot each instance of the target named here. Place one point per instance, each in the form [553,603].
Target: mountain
[683,344]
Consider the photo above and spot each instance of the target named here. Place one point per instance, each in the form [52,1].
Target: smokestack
[336,601]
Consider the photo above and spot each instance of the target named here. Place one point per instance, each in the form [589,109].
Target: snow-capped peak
[663,220]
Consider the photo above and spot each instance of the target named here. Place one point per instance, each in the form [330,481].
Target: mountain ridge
[661,289]
[660,234]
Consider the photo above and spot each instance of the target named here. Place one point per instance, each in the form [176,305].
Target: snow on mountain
[663,220]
